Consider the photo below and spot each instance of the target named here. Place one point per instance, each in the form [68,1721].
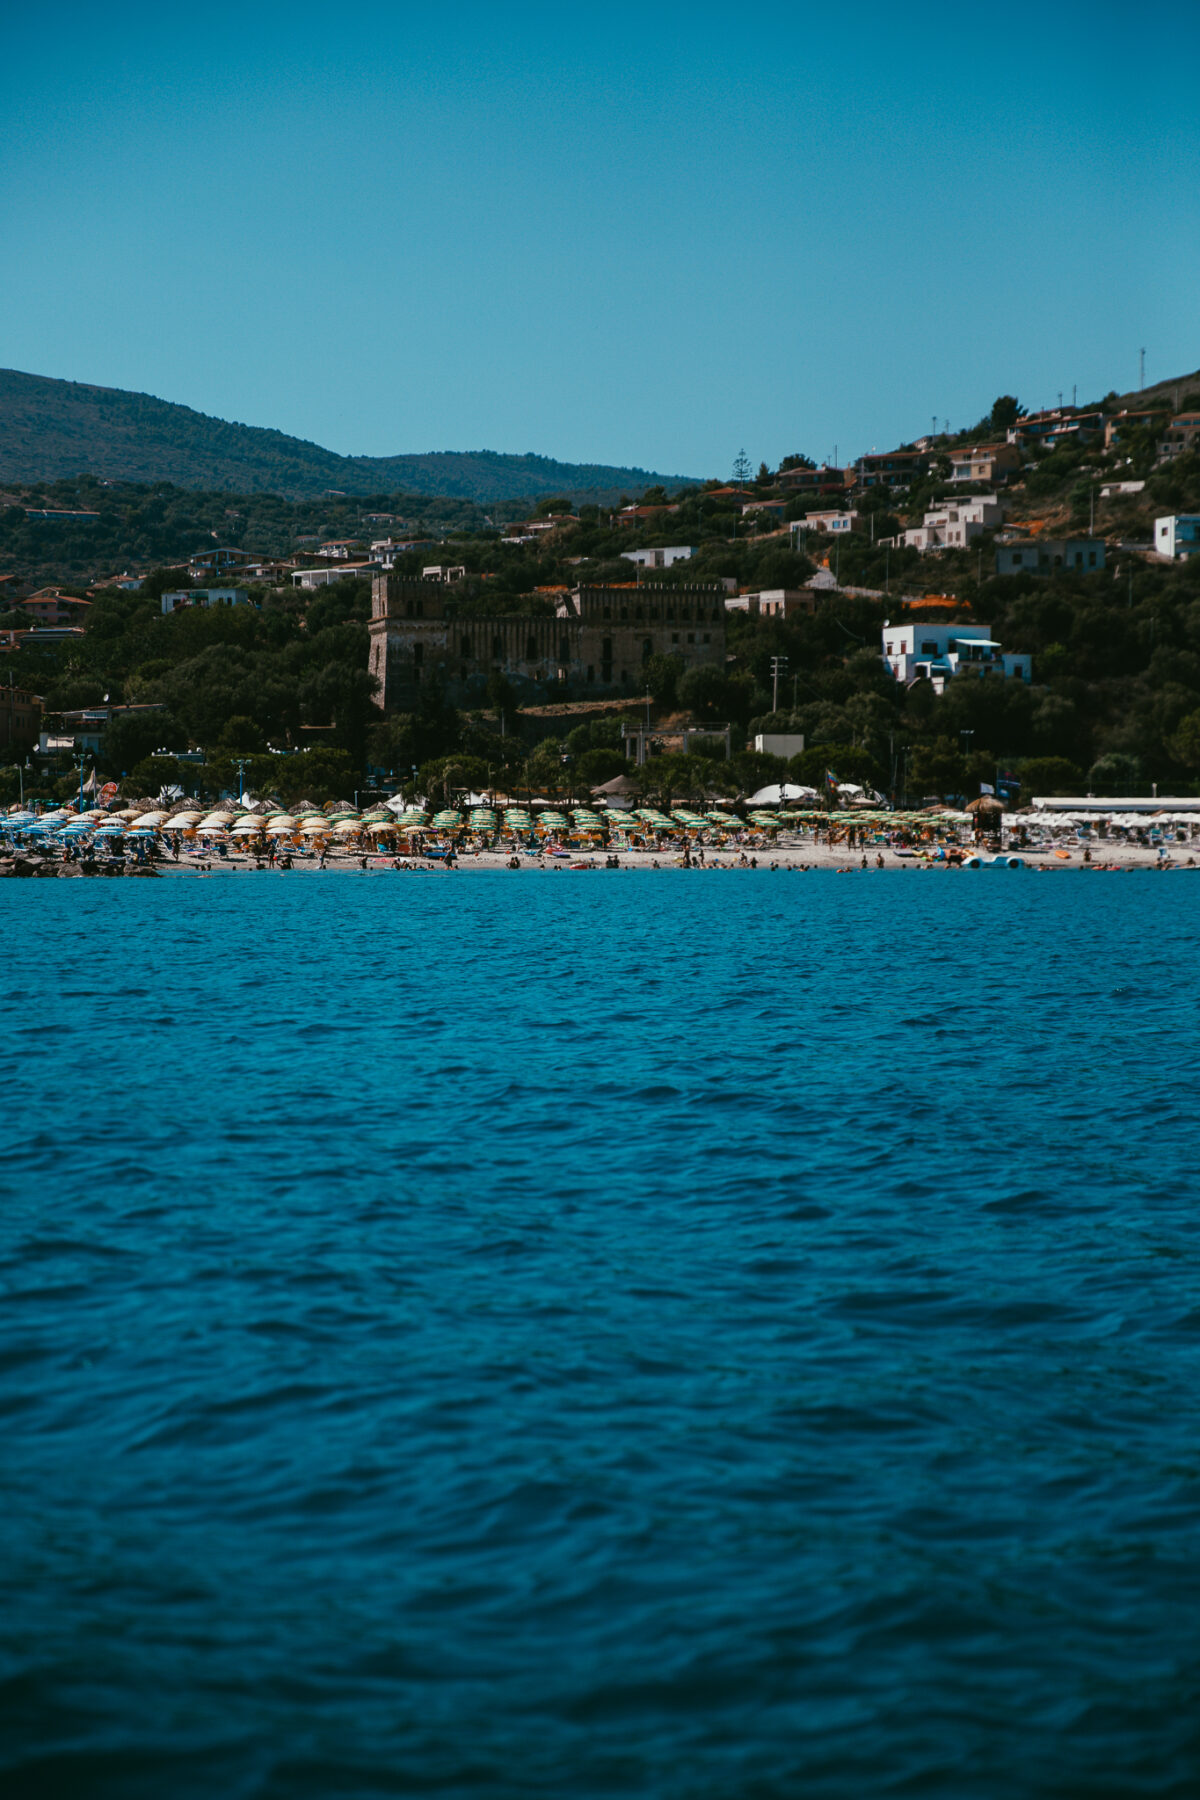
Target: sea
[712,1336]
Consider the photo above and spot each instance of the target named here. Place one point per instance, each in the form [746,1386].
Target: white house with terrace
[954,524]
[940,653]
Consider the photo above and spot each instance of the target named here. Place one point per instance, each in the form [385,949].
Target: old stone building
[593,647]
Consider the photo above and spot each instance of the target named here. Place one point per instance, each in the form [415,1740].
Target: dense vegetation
[1115,704]
[143,524]
[50,429]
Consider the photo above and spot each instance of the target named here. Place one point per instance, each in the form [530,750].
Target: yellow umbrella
[312,829]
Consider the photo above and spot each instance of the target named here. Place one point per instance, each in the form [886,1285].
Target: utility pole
[241,769]
[1142,368]
[778,668]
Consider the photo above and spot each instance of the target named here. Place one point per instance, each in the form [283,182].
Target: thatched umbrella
[987,813]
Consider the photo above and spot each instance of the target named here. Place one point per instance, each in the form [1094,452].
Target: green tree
[1006,410]
[706,692]
[597,766]
[661,674]
[154,773]
[242,736]
[741,468]
[1184,743]
[131,737]
[1117,773]
[1050,775]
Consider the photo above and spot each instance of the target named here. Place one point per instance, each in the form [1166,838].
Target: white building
[1178,534]
[779,743]
[955,524]
[660,558]
[319,578]
[836,520]
[772,603]
[171,602]
[940,652]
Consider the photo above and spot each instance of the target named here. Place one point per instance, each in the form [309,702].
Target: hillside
[51,430]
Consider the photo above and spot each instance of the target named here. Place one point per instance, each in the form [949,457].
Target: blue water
[675,1335]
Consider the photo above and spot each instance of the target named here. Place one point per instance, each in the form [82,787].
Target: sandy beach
[791,859]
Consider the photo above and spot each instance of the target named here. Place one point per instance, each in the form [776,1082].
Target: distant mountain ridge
[51,430]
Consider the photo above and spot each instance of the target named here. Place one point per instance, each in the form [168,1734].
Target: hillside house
[20,718]
[1177,535]
[50,606]
[1180,437]
[212,562]
[1118,427]
[1045,556]
[942,653]
[660,558]
[319,578]
[177,598]
[993,463]
[836,520]
[1057,425]
[952,525]
[341,550]
[822,480]
[773,603]
[891,469]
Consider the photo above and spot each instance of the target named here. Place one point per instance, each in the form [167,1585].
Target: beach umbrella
[311,829]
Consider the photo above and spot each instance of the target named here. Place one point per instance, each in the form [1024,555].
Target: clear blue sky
[647,235]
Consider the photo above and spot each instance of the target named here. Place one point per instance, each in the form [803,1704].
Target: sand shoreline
[1115,858]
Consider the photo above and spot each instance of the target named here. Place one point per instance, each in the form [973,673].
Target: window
[1091,559]
[497,649]
[647,650]
[691,637]
[591,673]
[531,649]
[564,650]
[418,655]
[708,637]
[674,637]
[929,649]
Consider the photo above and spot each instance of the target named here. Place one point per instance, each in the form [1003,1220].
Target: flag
[985,789]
